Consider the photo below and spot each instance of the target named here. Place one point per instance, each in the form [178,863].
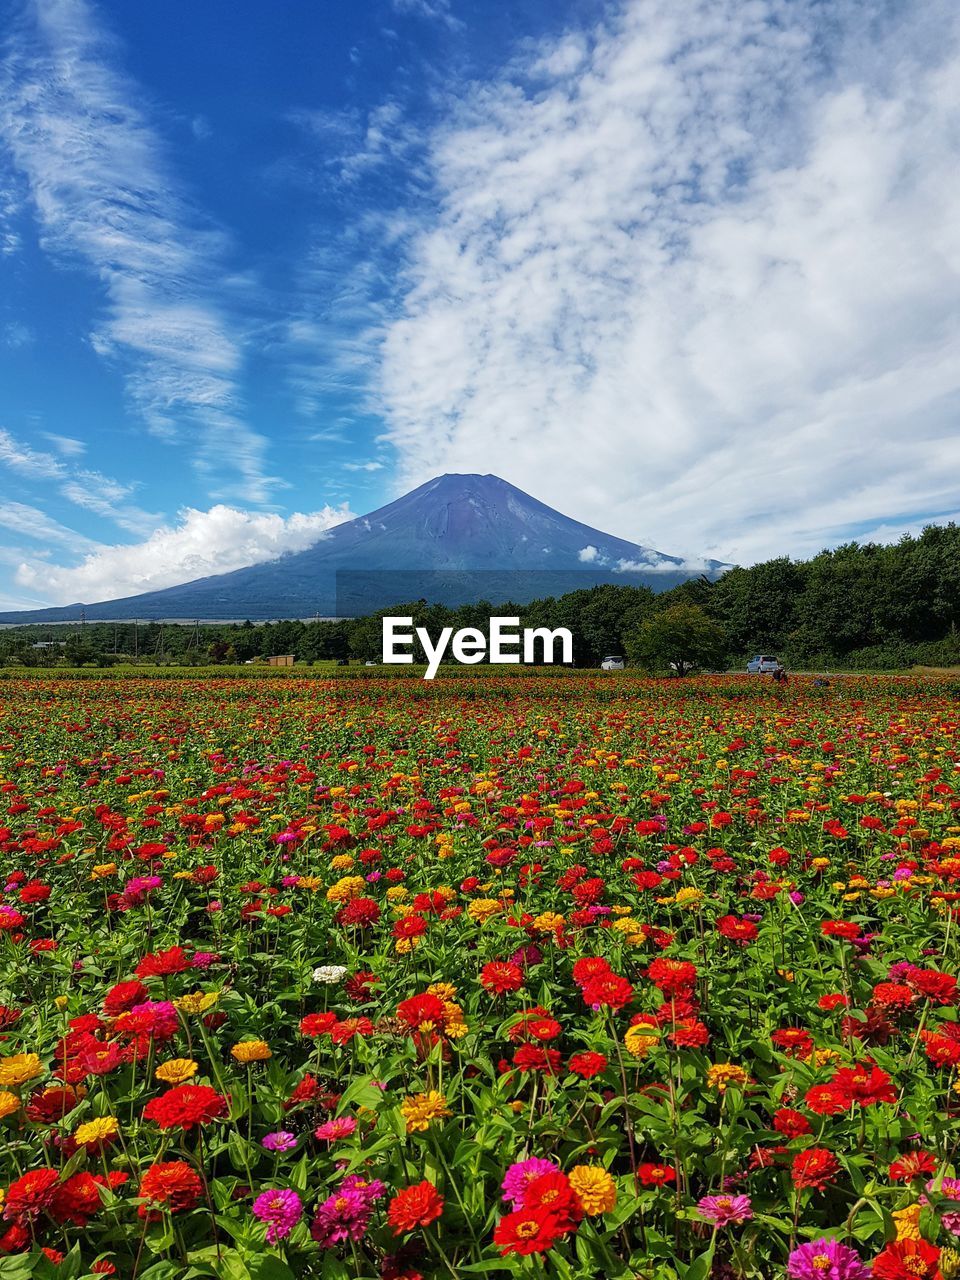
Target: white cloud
[588,554]
[104,193]
[66,445]
[17,335]
[363,466]
[27,461]
[108,498]
[435,10]
[201,543]
[701,268]
[84,488]
[30,522]
[654,564]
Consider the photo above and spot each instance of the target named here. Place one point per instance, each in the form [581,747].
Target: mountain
[455,539]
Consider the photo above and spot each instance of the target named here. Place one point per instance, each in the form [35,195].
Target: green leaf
[229,1265]
[267,1266]
[700,1267]
[19,1267]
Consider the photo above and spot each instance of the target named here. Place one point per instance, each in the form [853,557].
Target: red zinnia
[533,1057]
[317,1024]
[738,930]
[500,977]
[186,1105]
[173,1186]
[589,967]
[422,1011]
[914,1164]
[792,1124]
[78,1199]
[527,1231]
[893,995]
[123,997]
[673,977]
[30,1195]
[161,964]
[825,1100]
[413,1207]
[345,1029]
[551,1193]
[794,1041]
[608,990]
[845,929]
[814,1168]
[656,1175]
[866,1085]
[587,1064]
[906,1260]
[941,988]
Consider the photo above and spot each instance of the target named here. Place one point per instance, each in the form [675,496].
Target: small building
[281,660]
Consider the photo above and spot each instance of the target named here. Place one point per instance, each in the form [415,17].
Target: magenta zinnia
[723,1210]
[280,1210]
[826,1260]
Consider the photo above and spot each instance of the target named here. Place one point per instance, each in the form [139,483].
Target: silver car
[763,665]
[612,662]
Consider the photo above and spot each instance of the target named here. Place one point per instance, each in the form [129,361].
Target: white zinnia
[330,973]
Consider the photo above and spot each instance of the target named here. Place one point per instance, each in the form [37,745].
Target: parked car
[612,662]
[763,665]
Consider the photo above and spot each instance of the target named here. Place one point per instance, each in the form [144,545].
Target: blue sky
[688,270]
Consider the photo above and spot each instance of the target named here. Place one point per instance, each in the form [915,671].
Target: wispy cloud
[31,522]
[66,445]
[83,487]
[26,461]
[17,335]
[105,195]
[433,10]
[200,543]
[693,275]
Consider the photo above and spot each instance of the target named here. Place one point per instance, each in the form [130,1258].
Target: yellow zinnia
[907,1222]
[95,1133]
[251,1051]
[176,1071]
[196,1002]
[19,1068]
[723,1074]
[640,1039]
[594,1188]
[9,1103]
[421,1109]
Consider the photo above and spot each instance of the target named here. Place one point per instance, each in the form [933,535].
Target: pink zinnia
[949,1218]
[519,1176]
[723,1210]
[826,1260]
[346,1214]
[339,1127]
[279,1141]
[281,1210]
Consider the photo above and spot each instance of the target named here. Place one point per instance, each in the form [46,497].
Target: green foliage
[858,606]
[678,639]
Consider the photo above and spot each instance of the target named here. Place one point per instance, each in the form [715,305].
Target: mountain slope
[482,537]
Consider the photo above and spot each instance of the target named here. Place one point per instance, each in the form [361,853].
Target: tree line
[859,606]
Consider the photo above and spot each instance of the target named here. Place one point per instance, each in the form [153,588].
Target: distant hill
[455,539]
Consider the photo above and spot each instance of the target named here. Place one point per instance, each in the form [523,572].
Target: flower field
[551,977]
